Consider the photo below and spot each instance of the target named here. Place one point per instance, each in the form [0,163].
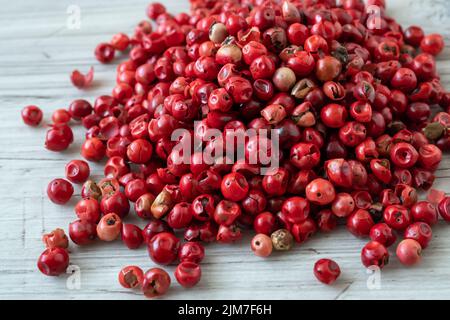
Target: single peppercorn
[282,240]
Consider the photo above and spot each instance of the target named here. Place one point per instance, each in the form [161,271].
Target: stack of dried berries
[349,95]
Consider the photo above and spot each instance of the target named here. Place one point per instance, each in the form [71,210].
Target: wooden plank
[39,54]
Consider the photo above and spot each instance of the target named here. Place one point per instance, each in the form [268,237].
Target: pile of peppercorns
[349,95]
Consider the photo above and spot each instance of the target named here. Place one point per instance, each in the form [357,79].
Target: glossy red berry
[374,254]
[444,208]
[383,234]
[360,223]
[326,271]
[88,209]
[32,116]
[58,137]
[93,149]
[82,232]
[163,248]
[234,187]
[432,44]
[403,155]
[320,191]
[188,274]
[397,217]
[425,211]
[104,52]
[140,151]
[191,252]
[60,191]
[132,236]
[421,232]
[296,209]
[79,109]
[343,205]
[77,171]
[53,261]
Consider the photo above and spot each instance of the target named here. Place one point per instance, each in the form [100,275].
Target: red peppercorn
[77,171]
[430,156]
[88,209]
[60,191]
[104,52]
[180,216]
[132,236]
[432,44]
[115,202]
[421,232]
[58,138]
[409,252]
[61,116]
[304,230]
[265,223]
[163,248]
[404,155]
[296,209]
[374,254]
[359,223]
[425,211]
[93,149]
[53,262]
[444,208]
[191,252]
[140,151]
[326,220]
[131,277]
[82,232]
[228,234]
[234,187]
[153,228]
[326,271]
[320,191]
[275,182]
[188,274]
[79,109]
[413,35]
[32,116]
[383,234]
[397,217]
[305,156]
[135,189]
[156,283]
[343,205]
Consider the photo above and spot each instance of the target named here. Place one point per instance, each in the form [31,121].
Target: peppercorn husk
[282,240]
[163,203]
[302,88]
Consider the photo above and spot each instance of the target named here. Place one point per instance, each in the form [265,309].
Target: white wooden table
[37,53]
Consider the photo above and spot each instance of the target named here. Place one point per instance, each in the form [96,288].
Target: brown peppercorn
[282,240]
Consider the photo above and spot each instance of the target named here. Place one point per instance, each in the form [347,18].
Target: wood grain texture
[37,54]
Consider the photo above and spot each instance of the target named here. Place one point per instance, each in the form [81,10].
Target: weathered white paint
[37,53]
